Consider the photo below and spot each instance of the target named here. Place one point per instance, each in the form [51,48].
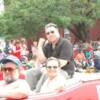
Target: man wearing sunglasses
[12,87]
[57,47]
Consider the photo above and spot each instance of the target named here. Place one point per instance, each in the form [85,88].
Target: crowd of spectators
[86,55]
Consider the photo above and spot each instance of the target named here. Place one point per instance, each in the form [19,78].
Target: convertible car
[82,87]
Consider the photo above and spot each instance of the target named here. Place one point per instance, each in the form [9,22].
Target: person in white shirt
[12,87]
[55,81]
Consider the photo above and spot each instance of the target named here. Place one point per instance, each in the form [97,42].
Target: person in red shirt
[16,51]
[1,75]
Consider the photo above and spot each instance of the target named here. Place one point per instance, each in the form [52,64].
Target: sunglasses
[8,69]
[54,67]
[50,32]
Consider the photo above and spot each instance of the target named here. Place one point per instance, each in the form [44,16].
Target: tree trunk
[80,31]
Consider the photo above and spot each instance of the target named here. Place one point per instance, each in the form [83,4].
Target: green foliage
[83,15]
[98,9]
[28,17]
[83,11]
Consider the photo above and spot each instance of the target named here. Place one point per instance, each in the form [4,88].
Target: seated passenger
[11,87]
[36,76]
[55,80]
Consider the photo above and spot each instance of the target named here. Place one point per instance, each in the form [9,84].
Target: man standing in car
[58,47]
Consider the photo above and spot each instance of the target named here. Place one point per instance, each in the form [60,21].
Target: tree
[83,16]
[28,17]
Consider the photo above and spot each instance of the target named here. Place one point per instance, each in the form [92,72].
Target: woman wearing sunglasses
[55,80]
